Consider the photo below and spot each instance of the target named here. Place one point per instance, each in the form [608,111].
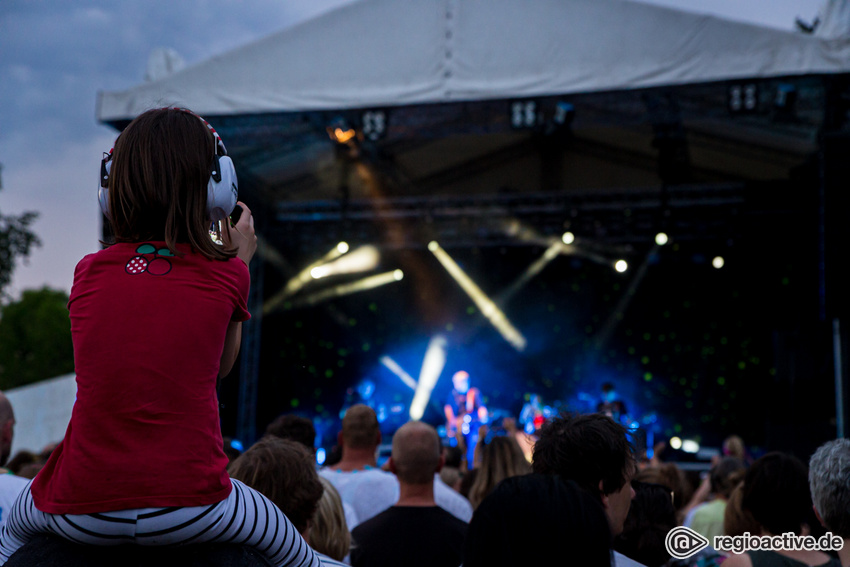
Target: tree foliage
[16,240]
[35,338]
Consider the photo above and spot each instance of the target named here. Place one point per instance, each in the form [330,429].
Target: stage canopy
[383,52]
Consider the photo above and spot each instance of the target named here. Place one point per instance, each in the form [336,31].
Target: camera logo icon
[683,542]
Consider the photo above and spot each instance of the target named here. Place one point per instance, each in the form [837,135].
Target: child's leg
[246,517]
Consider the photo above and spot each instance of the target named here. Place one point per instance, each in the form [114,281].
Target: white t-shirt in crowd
[372,491]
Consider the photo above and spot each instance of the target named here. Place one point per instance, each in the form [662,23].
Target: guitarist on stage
[465,413]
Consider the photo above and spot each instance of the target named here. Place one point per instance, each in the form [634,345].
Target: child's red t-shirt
[148,330]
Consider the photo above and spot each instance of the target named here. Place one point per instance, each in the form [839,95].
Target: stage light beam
[718,262]
[486,305]
[396,369]
[432,367]
[661,239]
[364,284]
[621,266]
[363,259]
[568,238]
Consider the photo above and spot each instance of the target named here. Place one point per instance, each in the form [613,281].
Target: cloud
[57,55]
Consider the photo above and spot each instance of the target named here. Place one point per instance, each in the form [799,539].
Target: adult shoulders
[452,501]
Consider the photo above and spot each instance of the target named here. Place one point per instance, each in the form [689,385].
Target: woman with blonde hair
[330,534]
[501,458]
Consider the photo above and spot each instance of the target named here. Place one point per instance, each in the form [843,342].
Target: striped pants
[246,517]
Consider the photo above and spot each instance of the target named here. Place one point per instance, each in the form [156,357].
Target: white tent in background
[384,53]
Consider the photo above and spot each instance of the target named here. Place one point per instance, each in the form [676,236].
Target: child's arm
[232,341]
[243,238]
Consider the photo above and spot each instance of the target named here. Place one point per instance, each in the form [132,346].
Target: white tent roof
[374,53]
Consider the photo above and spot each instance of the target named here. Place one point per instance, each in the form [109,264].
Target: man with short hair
[593,451]
[362,484]
[415,531]
[829,482]
[10,485]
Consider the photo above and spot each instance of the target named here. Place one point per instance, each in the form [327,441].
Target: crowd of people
[585,497]
[142,475]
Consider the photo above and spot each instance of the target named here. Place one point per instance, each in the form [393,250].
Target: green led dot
[299,324]
[320,408]
[352,322]
[644,359]
[340,363]
[317,392]
[742,365]
[647,377]
[721,381]
[689,404]
[294,402]
[575,287]
[470,310]
[631,350]
[366,347]
[311,369]
[329,373]
[373,307]
[647,336]
[450,327]
[677,428]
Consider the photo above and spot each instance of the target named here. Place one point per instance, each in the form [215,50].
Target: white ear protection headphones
[222,189]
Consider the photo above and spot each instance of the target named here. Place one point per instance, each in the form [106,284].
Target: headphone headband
[222,188]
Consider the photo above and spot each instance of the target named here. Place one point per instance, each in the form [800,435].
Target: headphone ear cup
[222,195]
[103,190]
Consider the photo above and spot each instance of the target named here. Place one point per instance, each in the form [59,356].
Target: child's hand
[242,236]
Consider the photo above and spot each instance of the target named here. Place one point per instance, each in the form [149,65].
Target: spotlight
[361,260]
[396,369]
[661,239]
[364,284]
[340,132]
[295,284]
[675,443]
[565,113]
[621,266]
[486,305]
[718,262]
[568,238]
[432,367]
[690,446]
